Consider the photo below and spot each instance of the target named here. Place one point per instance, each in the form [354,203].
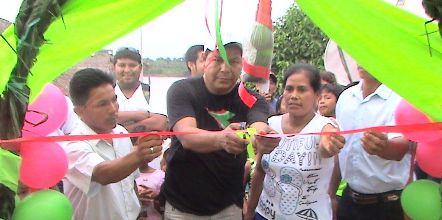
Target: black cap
[127,52]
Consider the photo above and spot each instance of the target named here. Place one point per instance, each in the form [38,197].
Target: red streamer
[245,96]
[263,14]
[256,71]
[436,126]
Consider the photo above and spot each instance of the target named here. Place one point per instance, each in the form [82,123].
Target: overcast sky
[172,33]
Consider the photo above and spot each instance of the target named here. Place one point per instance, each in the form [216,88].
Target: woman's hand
[331,144]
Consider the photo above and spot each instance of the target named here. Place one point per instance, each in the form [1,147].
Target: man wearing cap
[205,173]
[133,96]
[195,59]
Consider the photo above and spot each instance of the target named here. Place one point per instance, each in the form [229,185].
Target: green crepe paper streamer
[247,135]
[390,43]
[250,150]
[9,169]
[341,188]
[219,41]
[88,27]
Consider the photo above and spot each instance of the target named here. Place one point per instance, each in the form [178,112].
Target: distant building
[4,24]
[100,60]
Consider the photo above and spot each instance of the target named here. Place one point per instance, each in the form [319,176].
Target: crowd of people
[209,175]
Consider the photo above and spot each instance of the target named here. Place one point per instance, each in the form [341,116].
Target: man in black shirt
[205,172]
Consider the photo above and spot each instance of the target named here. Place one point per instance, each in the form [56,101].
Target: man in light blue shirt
[375,165]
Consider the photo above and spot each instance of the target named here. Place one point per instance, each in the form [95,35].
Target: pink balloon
[46,113]
[406,114]
[43,164]
[429,158]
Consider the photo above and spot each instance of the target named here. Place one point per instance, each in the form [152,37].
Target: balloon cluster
[44,164]
[429,142]
[421,199]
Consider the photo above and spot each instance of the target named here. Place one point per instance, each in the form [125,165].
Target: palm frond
[32,21]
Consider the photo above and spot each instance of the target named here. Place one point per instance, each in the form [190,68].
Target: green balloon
[43,205]
[421,200]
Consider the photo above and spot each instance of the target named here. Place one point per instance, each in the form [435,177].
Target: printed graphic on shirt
[291,183]
[222,117]
[307,214]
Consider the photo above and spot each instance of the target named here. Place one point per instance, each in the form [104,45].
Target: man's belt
[367,199]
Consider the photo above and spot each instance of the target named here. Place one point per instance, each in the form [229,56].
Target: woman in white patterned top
[296,175]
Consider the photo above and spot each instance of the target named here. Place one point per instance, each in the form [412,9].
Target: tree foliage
[165,67]
[297,39]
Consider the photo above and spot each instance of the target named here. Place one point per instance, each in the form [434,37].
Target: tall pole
[142,56]
[141,40]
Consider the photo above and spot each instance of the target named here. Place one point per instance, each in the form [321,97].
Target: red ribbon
[436,126]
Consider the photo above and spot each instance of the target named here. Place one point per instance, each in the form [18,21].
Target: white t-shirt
[91,200]
[297,177]
[137,102]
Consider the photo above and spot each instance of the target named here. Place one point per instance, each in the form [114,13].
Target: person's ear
[191,65]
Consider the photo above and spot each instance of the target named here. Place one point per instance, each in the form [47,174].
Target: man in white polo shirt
[100,182]
[375,165]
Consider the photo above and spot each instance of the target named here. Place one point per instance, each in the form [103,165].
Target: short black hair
[331,89]
[192,53]
[278,105]
[273,78]
[127,52]
[86,80]
[328,77]
[311,72]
